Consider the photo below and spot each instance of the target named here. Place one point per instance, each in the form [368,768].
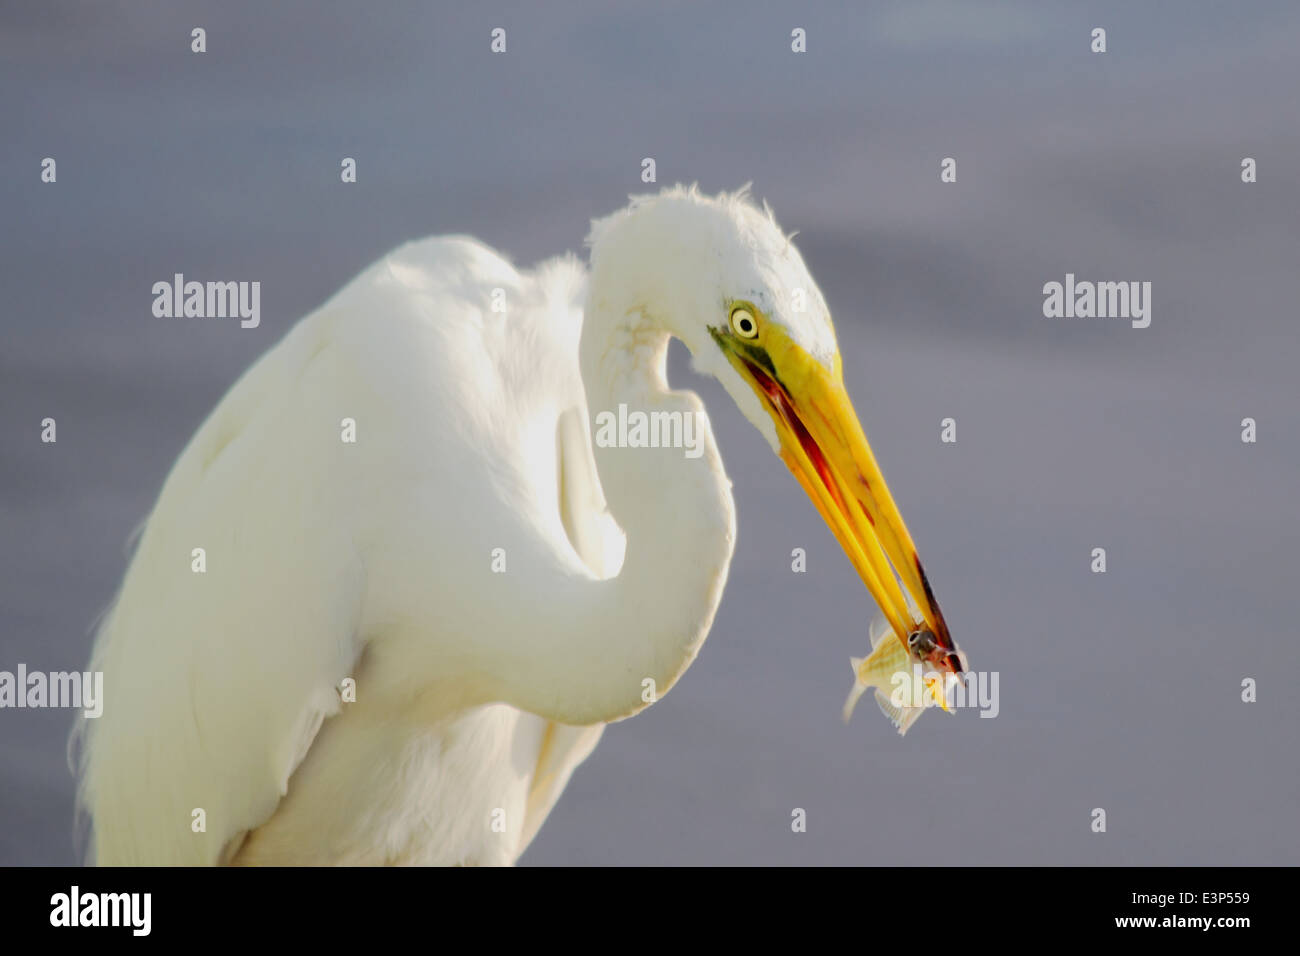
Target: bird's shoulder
[462,269]
[452,262]
[466,295]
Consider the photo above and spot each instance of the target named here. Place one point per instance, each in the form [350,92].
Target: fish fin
[855,694]
[878,631]
[940,691]
[938,695]
[856,691]
[901,717]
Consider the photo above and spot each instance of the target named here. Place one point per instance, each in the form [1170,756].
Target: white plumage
[477,692]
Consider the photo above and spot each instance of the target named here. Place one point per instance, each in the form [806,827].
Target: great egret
[403,497]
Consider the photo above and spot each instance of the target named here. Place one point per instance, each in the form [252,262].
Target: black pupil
[745,324]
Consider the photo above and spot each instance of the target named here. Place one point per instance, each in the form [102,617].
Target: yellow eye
[743,323]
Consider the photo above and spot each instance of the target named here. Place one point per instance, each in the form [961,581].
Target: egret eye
[743,323]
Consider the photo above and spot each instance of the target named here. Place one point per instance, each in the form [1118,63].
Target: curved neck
[676,510]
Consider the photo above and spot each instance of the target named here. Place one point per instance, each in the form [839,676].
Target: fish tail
[856,691]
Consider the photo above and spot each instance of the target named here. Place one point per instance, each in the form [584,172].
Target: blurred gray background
[1119,690]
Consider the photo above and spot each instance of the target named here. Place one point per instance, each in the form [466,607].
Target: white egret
[403,497]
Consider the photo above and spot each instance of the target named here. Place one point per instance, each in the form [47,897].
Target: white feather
[477,693]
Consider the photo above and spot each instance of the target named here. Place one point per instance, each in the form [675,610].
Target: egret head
[718,273]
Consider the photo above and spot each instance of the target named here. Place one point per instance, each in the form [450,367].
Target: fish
[888,671]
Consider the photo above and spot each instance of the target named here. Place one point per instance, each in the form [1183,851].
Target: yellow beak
[824,446]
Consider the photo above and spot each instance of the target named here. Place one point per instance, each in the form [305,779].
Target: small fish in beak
[888,672]
[925,647]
